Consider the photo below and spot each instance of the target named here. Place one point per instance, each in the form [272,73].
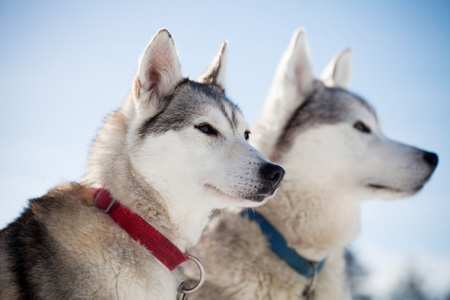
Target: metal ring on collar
[105,211]
[199,284]
[310,289]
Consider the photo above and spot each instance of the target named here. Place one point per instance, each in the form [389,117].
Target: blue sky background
[65,65]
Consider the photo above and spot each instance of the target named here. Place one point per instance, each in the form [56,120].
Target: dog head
[187,139]
[331,138]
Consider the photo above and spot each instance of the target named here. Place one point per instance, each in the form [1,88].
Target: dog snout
[431,158]
[273,174]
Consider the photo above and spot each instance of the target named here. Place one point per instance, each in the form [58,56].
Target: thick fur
[175,151]
[62,248]
[335,155]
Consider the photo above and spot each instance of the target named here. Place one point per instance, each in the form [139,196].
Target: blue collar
[279,245]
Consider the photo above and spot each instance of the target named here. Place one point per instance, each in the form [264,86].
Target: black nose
[273,173]
[431,158]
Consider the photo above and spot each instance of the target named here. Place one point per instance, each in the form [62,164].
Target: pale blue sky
[64,66]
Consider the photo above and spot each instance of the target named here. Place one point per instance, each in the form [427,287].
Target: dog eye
[362,127]
[247,135]
[207,129]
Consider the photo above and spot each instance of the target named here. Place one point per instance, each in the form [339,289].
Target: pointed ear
[217,70]
[296,63]
[338,71]
[292,85]
[158,72]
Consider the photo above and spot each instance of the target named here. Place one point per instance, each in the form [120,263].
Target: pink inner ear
[302,74]
[154,78]
[159,67]
[138,87]
[299,73]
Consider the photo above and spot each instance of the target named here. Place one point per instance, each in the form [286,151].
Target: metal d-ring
[309,291]
[184,287]
[105,211]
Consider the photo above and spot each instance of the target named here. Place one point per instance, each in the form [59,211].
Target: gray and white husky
[176,150]
[330,142]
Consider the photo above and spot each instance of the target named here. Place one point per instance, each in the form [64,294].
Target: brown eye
[362,127]
[247,135]
[206,129]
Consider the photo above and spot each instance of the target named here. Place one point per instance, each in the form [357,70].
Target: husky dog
[330,143]
[176,150]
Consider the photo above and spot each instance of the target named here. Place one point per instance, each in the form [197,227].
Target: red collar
[139,230]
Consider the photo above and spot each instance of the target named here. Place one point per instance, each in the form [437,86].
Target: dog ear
[158,72]
[216,73]
[338,71]
[298,63]
[293,83]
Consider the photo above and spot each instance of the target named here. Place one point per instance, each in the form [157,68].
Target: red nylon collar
[139,230]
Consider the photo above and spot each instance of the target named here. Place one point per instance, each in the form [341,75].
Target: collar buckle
[104,199]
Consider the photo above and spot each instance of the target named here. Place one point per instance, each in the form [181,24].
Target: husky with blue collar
[335,155]
[176,150]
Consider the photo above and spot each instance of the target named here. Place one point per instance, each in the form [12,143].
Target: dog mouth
[378,186]
[392,189]
[253,198]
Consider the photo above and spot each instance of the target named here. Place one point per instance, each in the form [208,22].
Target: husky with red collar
[176,150]
[335,155]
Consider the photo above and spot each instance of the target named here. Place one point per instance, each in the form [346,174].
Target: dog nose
[274,173]
[431,158]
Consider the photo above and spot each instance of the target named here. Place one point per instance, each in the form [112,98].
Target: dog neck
[170,215]
[315,222]
[139,230]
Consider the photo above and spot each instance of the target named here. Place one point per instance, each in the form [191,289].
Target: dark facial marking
[150,123]
[233,115]
[186,103]
[224,112]
[324,106]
